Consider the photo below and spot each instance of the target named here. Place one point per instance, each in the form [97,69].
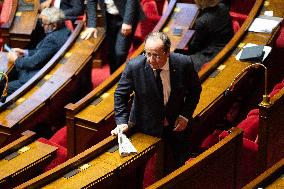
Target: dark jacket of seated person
[71,8]
[28,62]
[213,30]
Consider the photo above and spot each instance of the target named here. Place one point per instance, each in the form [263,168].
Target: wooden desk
[103,169]
[31,158]
[66,77]
[91,119]
[23,24]
[215,168]
[5,27]
[272,178]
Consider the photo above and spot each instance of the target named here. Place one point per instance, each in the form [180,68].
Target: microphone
[4,92]
[265,97]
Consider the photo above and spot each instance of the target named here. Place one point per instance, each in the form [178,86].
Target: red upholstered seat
[250,125]
[277,88]
[152,17]
[237,20]
[6,11]
[211,140]
[60,137]
[150,171]
[61,154]
[280,39]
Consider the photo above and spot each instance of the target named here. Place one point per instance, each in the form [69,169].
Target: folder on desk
[254,53]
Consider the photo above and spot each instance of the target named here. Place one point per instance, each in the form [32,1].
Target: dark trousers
[118,45]
[176,148]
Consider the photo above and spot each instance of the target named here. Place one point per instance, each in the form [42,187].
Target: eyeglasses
[153,55]
[46,24]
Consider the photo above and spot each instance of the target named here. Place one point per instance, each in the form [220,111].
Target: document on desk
[125,147]
[265,24]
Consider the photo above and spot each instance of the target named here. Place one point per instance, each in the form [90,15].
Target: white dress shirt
[56,3]
[110,7]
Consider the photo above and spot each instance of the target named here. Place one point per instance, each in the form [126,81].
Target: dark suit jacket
[29,65]
[213,31]
[148,111]
[129,10]
[72,8]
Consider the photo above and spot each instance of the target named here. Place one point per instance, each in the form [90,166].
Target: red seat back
[6,11]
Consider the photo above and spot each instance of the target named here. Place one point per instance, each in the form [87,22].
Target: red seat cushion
[60,137]
[210,140]
[250,125]
[277,88]
[152,18]
[61,154]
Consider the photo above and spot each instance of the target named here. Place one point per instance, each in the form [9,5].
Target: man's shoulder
[180,57]
[137,62]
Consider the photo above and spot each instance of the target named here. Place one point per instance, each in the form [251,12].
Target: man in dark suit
[122,17]
[213,30]
[166,91]
[71,8]
[29,62]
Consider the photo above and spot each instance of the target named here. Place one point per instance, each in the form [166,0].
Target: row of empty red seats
[249,125]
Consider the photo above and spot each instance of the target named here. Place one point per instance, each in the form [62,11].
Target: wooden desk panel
[106,169]
[215,168]
[272,178]
[23,25]
[27,164]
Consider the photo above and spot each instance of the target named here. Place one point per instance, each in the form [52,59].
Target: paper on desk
[264,24]
[125,147]
[266,50]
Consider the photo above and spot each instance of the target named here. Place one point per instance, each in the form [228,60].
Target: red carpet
[99,75]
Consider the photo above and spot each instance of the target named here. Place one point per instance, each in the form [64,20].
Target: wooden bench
[91,119]
[97,167]
[215,168]
[23,159]
[64,78]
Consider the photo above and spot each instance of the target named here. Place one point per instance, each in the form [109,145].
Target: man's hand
[180,124]
[12,57]
[123,128]
[45,4]
[89,32]
[19,52]
[126,29]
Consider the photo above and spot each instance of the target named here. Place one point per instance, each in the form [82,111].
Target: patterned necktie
[159,84]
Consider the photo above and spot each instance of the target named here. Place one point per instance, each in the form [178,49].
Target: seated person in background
[213,30]
[71,8]
[29,62]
